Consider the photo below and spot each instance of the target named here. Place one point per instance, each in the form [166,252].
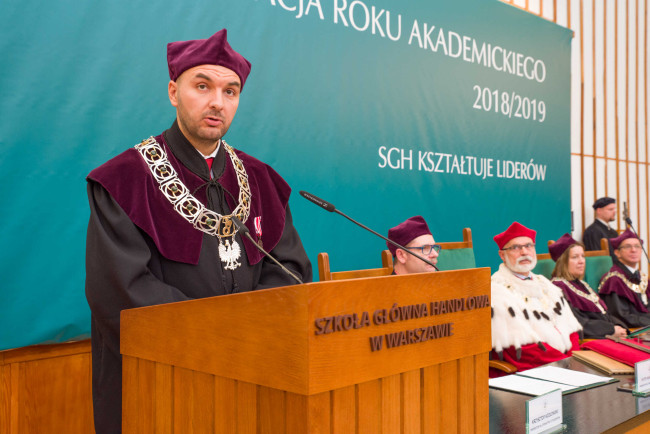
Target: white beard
[521,268]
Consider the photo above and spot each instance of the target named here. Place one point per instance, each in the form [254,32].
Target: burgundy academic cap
[557,248]
[616,242]
[407,231]
[215,50]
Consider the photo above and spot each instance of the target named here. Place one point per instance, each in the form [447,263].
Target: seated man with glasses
[532,323]
[414,234]
[623,288]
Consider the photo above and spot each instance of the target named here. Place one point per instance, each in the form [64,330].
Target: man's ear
[400,255]
[172,90]
[502,255]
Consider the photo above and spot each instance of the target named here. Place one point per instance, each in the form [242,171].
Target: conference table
[596,410]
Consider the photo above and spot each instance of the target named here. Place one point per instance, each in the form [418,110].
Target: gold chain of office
[190,208]
[639,288]
[591,296]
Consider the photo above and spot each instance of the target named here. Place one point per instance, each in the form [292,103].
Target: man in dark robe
[414,234]
[605,212]
[161,226]
[624,288]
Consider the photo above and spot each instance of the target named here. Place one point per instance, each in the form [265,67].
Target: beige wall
[609,85]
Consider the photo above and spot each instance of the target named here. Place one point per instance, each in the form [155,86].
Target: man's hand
[620,332]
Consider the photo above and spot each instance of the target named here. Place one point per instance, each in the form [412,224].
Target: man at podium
[162,225]
[414,234]
[532,323]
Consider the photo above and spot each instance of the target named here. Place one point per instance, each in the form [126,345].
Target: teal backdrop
[378,106]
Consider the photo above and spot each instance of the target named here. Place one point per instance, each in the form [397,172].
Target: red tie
[209,160]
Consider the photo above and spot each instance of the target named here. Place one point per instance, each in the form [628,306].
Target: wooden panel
[55,395]
[16,397]
[271,410]
[344,410]
[46,388]
[481,393]
[423,399]
[246,408]
[37,352]
[5,398]
[245,328]
[390,403]
[130,397]
[308,414]
[278,325]
[203,415]
[345,357]
[466,387]
[297,413]
[449,402]
[411,402]
[183,395]
[431,399]
[163,399]
[369,407]
[146,381]
[320,409]
[224,405]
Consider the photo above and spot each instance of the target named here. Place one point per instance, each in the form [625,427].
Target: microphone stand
[331,208]
[244,230]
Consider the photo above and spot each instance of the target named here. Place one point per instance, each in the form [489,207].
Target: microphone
[626,214]
[244,230]
[318,201]
[331,208]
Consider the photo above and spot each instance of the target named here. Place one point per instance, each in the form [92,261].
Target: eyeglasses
[632,247]
[520,247]
[427,248]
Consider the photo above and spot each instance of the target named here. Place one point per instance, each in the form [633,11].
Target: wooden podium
[380,355]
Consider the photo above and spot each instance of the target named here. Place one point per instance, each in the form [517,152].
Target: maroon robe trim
[575,300]
[128,180]
[614,284]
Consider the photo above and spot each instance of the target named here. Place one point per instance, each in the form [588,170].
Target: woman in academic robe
[587,306]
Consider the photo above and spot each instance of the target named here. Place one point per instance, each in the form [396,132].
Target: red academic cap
[515,230]
[616,242]
[215,50]
[407,231]
[557,248]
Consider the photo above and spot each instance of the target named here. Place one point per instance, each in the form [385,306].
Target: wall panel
[609,116]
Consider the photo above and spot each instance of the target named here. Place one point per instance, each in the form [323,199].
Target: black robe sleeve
[594,325]
[622,309]
[117,273]
[290,253]
[117,278]
[591,238]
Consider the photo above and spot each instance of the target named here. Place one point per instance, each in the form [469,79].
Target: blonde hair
[561,269]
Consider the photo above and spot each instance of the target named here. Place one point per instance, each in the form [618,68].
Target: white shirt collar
[519,275]
[214,153]
[630,268]
[602,221]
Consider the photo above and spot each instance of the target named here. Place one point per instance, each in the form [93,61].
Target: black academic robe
[595,324]
[593,234]
[624,304]
[125,269]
